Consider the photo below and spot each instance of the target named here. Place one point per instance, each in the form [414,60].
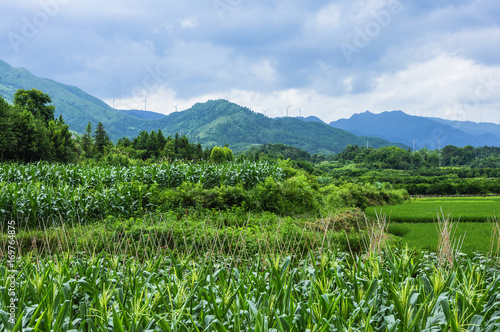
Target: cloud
[449,86]
[423,55]
[189,23]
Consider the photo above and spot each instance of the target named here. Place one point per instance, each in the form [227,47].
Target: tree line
[397,158]
[30,133]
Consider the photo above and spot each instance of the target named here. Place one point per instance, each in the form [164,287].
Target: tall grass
[166,175]
[239,234]
[495,237]
[253,276]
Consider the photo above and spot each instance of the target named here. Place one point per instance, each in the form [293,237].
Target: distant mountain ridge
[145,115]
[215,122]
[397,126]
[311,118]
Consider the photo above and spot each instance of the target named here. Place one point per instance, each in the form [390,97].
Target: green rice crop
[425,210]
[477,236]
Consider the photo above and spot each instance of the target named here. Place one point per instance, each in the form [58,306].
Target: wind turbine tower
[145,103]
[300,112]
[287,108]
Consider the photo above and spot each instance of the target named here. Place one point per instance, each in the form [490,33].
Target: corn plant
[167,175]
[325,291]
[68,192]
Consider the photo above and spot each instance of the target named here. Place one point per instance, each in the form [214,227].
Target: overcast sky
[330,58]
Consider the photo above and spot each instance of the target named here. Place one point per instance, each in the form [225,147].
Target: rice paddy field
[415,223]
[425,210]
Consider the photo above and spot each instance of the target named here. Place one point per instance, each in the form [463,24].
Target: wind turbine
[300,112]
[265,111]
[145,103]
[175,107]
[287,108]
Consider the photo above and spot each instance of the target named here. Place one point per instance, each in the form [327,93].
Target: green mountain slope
[218,122]
[212,123]
[76,106]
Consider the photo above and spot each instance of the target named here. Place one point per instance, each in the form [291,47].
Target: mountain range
[219,122]
[430,132]
[215,122]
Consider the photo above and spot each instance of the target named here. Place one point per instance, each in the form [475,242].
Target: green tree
[37,102]
[32,137]
[176,144]
[87,142]
[220,155]
[217,155]
[60,137]
[7,137]
[228,154]
[101,138]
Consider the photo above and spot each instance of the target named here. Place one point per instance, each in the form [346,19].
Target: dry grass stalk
[377,234]
[495,237]
[448,247]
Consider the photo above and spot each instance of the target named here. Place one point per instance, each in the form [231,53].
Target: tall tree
[7,138]
[61,140]
[101,138]
[161,140]
[32,137]
[37,102]
[87,142]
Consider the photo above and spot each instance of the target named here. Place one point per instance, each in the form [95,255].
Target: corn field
[33,191]
[398,291]
[167,175]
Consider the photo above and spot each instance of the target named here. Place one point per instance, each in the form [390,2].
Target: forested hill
[218,122]
[77,107]
[212,123]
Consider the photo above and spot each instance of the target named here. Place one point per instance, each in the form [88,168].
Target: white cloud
[189,23]
[447,85]
[263,71]
[326,20]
